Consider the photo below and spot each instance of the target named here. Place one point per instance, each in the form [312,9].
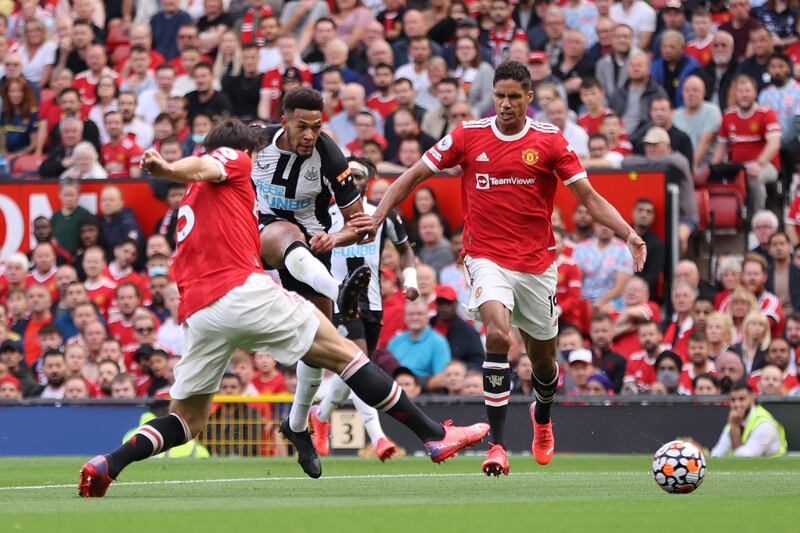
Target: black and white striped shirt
[299,189]
[347,258]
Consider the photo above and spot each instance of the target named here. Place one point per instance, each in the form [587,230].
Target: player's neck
[512,128]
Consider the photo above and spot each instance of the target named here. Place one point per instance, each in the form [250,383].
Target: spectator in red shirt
[120,156]
[44,269]
[84,314]
[383,100]
[39,303]
[365,131]
[100,288]
[123,386]
[699,363]
[618,141]
[750,135]
[267,379]
[592,97]
[640,372]
[120,270]
[570,281]
[638,309]
[677,329]
[700,47]
[86,82]
[120,321]
[107,371]
[778,357]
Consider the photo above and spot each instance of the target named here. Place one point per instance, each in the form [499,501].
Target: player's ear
[530,96]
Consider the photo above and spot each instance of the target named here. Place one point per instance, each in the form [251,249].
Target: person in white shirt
[751,430]
[170,334]
[558,113]
[640,17]
[54,368]
[600,155]
[699,119]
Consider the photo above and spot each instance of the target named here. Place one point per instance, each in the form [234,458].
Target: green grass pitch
[573,493]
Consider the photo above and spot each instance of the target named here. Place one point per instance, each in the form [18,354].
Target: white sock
[303,266]
[308,380]
[337,393]
[372,422]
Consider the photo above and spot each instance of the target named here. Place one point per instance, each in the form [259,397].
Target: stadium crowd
[87,86]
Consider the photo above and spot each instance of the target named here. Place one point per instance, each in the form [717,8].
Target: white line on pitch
[349,477]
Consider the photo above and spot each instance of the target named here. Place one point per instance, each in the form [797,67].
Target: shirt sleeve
[565,162]
[772,126]
[446,153]
[336,172]
[441,357]
[624,260]
[714,122]
[396,228]
[760,443]
[233,164]
[723,445]
[794,210]
[723,131]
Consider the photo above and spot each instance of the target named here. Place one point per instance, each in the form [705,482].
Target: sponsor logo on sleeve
[435,154]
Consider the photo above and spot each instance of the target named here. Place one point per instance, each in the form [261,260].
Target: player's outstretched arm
[400,190]
[186,170]
[606,214]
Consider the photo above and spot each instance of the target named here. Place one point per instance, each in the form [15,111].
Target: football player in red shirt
[511,166]
[751,135]
[227,301]
[120,155]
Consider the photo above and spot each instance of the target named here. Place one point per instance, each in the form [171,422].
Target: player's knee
[496,339]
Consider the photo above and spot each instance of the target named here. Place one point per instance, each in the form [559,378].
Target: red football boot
[543,445]
[385,449]
[94,478]
[320,432]
[456,438]
[496,462]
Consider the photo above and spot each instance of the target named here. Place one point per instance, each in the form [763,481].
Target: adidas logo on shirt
[482,157]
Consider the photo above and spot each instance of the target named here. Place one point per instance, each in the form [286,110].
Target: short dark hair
[645,201]
[172,139]
[139,49]
[647,323]
[83,22]
[52,353]
[231,132]
[403,371]
[302,98]
[325,19]
[130,284]
[706,375]
[398,81]
[597,135]
[252,45]
[601,317]
[660,98]
[69,90]
[384,66]
[741,385]
[449,81]
[513,70]
[128,240]
[165,66]
[698,336]
[590,83]
[781,57]
[230,375]
[779,234]
[202,64]
[49,329]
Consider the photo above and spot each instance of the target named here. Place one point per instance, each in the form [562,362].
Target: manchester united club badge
[530,156]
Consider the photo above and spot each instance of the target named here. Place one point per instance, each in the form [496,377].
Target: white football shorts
[531,298]
[256,316]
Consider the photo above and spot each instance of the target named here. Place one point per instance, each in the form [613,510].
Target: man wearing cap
[579,369]
[751,430]
[541,73]
[464,340]
[658,152]
[11,356]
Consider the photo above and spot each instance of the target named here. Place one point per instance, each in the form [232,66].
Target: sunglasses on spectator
[145,330]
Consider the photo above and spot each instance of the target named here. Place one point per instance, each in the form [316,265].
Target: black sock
[155,437]
[375,388]
[496,390]
[545,390]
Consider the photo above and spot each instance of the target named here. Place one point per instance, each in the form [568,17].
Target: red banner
[21,202]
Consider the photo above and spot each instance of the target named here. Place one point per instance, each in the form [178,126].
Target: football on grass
[679,467]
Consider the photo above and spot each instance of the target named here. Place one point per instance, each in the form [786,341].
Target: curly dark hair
[513,70]
[302,98]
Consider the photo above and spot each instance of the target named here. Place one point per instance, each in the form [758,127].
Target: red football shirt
[382,105]
[273,385]
[120,157]
[793,216]
[102,294]
[641,370]
[568,290]
[746,134]
[272,82]
[48,280]
[701,52]
[789,380]
[217,233]
[507,188]
[592,124]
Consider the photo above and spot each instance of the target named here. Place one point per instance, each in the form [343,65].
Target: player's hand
[638,251]
[411,293]
[372,231]
[735,417]
[322,243]
[753,169]
[153,163]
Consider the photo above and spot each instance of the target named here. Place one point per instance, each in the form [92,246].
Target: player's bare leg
[542,354]
[283,245]
[496,382]
[187,419]
[374,387]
